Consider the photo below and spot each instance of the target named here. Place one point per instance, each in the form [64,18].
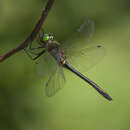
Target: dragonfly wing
[80,38]
[86,58]
[52,72]
[46,65]
[55,82]
[79,51]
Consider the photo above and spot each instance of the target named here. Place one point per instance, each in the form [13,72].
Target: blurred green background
[23,104]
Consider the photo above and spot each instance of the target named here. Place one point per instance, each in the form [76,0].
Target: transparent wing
[79,51]
[46,65]
[55,82]
[80,38]
[87,58]
[52,73]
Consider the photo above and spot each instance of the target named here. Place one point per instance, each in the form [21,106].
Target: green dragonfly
[76,51]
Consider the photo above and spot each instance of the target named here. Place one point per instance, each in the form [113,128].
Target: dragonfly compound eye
[51,37]
[46,37]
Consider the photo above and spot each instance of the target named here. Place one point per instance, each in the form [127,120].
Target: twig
[33,35]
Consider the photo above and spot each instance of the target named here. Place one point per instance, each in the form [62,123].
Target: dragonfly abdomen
[94,85]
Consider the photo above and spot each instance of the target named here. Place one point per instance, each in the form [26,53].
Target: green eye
[46,37]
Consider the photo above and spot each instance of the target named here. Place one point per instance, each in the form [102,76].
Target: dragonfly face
[46,37]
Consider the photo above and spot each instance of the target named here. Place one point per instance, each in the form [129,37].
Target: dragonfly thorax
[56,51]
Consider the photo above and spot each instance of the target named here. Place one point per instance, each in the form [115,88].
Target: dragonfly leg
[37,55]
[36,48]
[41,53]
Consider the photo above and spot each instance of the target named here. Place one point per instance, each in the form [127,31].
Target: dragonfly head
[48,37]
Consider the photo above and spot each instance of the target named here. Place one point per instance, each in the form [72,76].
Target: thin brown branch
[33,35]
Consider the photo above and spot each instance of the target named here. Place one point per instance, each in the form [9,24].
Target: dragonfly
[54,57]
